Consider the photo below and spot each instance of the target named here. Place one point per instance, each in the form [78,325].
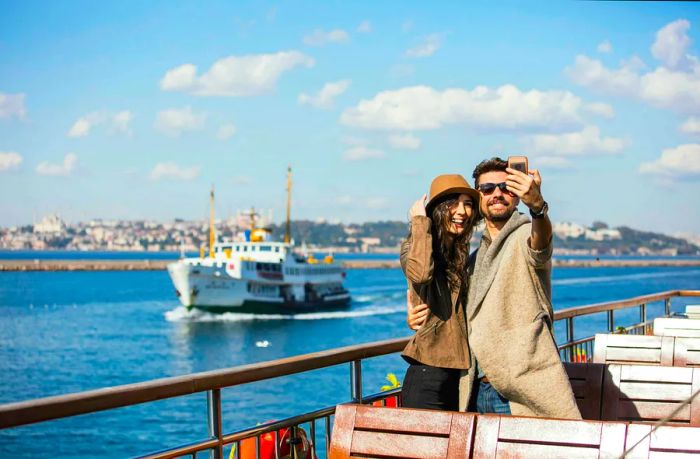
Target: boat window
[265,248]
[277,249]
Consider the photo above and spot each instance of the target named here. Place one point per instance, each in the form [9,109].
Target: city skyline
[132,111]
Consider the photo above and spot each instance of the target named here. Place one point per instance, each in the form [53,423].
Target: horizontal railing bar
[183,450]
[263,428]
[619,304]
[44,409]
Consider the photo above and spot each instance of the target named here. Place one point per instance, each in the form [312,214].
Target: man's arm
[527,188]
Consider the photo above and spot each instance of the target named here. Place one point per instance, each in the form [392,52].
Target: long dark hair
[451,253]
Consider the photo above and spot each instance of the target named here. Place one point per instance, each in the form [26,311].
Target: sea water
[63,332]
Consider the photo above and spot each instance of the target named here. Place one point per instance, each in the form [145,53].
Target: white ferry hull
[210,289]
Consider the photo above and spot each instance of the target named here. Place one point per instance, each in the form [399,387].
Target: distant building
[51,224]
[565,230]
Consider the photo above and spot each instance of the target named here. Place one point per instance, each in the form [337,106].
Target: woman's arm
[417,250]
[415,315]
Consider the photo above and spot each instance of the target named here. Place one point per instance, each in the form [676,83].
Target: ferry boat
[253,274]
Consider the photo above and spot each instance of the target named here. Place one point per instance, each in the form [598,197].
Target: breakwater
[156,265]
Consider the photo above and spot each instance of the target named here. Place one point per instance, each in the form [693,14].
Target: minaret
[288,227]
[212,230]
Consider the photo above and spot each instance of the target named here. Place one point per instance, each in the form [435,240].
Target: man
[515,363]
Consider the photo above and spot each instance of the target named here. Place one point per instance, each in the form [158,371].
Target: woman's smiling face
[460,214]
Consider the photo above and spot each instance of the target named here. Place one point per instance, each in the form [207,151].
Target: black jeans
[431,388]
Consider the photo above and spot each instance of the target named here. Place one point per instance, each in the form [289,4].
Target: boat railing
[212,383]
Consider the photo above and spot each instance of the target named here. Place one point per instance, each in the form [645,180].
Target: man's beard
[501,216]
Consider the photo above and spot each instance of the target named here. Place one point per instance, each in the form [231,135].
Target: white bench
[693,311]
[674,326]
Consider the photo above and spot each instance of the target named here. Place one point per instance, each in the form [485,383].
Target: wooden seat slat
[686,352]
[623,355]
[564,431]
[421,421]
[460,440]
[632,409]
[660,375]
[664,442]
[367,443]
[654,391]
[518,450]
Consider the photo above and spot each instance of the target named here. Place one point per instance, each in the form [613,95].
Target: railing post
[356,381]
[667,304]
[643,313]
[570,336]
[214,418]
[611,321]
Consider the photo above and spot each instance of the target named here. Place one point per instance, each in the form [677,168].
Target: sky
[133,110]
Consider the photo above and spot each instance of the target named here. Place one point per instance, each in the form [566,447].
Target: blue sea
[63,332]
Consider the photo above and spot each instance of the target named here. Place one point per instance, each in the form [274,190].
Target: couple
[484,337]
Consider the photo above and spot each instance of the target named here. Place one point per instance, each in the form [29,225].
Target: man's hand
[418,208]
[415,315]
[526,187]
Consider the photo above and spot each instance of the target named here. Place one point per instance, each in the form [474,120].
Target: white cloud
[121,122]
[235,76]
[325,97]
[179,78]
[84,124]
[604,47]
[672,43]
[12,105]
[320,37]
[226,131]
[9,160]
[427,47]
[364,27]
[504,108]
[681,161]
[175,121]
[552,162]
[171,170]
[404,142]
[674,85]
[587,141]
[600,109]
[691,126]
[407,25]
[64,169]
[360,153]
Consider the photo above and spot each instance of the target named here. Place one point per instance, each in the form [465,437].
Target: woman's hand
[418,208]
[415,315]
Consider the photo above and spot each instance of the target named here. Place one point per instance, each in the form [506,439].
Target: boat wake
[181,314]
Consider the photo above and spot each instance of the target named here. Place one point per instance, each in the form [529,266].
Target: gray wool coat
[509,320]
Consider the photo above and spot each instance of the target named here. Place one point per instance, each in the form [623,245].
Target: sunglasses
[488,188]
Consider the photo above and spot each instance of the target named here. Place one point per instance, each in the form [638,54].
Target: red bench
[367,431]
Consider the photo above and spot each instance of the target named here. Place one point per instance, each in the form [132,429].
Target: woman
[434,259]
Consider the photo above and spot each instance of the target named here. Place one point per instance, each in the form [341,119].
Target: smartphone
[519,163]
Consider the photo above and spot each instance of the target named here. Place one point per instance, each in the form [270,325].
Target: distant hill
[386,234]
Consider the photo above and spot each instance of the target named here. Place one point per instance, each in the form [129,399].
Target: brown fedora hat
[447,184]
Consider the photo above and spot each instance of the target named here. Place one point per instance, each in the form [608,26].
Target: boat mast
[288,227]
[212,230]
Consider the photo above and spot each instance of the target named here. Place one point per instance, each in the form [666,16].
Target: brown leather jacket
[442,340]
